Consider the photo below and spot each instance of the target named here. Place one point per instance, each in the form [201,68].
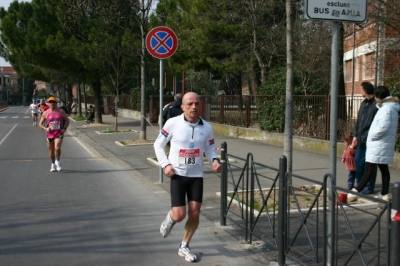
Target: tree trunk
[98,101]
[79,100]
[143,29]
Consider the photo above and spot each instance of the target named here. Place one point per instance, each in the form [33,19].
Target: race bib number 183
[54,125]
[189,156]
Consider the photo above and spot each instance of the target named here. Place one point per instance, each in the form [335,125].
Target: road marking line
[1,142]
[82,145]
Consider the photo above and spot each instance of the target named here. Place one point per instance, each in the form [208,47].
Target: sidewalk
[311,165]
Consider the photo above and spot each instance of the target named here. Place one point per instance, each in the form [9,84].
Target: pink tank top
[54,122]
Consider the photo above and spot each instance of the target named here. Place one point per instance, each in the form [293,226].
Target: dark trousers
[351,178]
[370,170]
[360,168]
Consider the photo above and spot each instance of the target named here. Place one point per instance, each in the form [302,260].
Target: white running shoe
[187,254]
[386,197]
[166,226]
[58,166]
[53,168]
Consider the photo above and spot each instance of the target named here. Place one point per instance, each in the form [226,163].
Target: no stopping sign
[161,42]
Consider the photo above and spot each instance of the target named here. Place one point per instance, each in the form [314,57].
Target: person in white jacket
[191,137]
[381,139]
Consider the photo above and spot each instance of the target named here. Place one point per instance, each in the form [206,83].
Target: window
[368,66]
[349,70]
[357,69]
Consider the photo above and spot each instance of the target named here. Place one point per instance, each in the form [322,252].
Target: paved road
[96,211]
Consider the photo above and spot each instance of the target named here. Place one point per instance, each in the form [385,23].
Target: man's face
[190,106]
[363,93]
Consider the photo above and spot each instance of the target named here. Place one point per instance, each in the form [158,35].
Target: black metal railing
[329,229]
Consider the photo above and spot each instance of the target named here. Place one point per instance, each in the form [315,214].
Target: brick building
[8,83]
[372,50]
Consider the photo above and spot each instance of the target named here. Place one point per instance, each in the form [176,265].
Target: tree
[210,37]
[143,20]
[265,20]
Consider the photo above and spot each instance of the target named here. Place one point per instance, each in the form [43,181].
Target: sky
[6,4]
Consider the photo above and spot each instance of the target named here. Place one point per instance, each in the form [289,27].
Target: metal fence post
[282,211]
[224,183]
[395,234]
[250,165]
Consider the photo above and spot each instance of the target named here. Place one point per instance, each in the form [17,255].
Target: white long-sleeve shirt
[189,142]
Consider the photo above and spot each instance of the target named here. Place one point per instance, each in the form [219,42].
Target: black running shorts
[52,140]
[182,186]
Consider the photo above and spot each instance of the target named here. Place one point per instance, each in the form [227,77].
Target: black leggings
[370,170]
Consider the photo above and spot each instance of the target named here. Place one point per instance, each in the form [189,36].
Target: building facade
[372,50]
[8,83]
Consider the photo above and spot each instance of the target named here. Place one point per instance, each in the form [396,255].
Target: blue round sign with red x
[161,42]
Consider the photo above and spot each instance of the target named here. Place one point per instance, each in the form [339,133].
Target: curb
[119,143]
[362,206]
[118,132]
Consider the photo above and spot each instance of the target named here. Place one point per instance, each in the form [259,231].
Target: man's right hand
[354,142]
[169,171]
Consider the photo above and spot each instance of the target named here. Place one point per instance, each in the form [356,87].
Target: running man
[42,106]
[53,118]
[35,112]
[190,138]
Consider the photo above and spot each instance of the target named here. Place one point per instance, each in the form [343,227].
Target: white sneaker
[58,166]
[53,168]
[187,254]
[166,226]
[386,197]
[383,197]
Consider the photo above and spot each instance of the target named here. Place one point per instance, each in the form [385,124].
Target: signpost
[342,10]
[336,11]
[161,43]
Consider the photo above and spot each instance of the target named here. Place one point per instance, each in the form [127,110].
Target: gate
[305,220]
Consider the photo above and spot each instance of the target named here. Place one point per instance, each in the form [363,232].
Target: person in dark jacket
[68,107]
[173,109]
[381,139]
[365,116]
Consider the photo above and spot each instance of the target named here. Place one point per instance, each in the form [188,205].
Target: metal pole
[282,211]
[334,98]
[224,183]
[161,107]
[251,198]
[395,234]
[353,65]
[246,205]
[333,125]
